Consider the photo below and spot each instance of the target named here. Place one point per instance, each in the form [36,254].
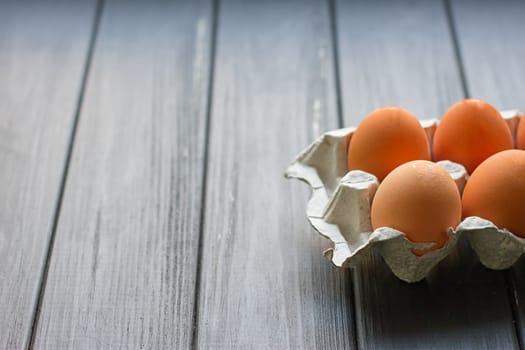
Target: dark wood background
[142,147]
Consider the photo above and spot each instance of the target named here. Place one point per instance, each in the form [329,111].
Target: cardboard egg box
[339,209]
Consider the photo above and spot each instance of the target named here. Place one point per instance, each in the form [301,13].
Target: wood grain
[491,43]
[43,49]
[264,281]
[123,269]
[401,53]
[490,37]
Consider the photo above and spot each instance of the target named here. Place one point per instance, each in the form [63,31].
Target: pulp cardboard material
[497,249]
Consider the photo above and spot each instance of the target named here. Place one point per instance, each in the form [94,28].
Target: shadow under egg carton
[339,209]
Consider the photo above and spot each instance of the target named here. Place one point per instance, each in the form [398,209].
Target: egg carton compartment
[339,209]
[497,249]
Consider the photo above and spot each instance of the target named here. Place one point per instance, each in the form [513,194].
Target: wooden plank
[264,281]
[123,270]
[43,50]
[401,53]
[491,43]
[490,37]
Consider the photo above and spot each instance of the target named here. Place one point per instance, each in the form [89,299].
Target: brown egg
[520,133]
[420,199]
[470,132]
[496,191]
[386,138]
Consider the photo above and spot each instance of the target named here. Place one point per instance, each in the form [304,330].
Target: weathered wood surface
[41,69]
[492,47]
[491,41]
[123,269]
[265,284]
[401,53]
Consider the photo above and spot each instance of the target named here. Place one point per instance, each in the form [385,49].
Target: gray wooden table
[142,147]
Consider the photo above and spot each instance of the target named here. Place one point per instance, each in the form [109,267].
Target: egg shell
[420,199]
[496,191]
[393,135]
[470,132]
[520,134]
[335,190]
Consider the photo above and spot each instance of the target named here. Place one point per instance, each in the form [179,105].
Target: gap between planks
[69,151]
[207,127]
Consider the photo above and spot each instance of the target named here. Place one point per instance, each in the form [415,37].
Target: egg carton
[339,209]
